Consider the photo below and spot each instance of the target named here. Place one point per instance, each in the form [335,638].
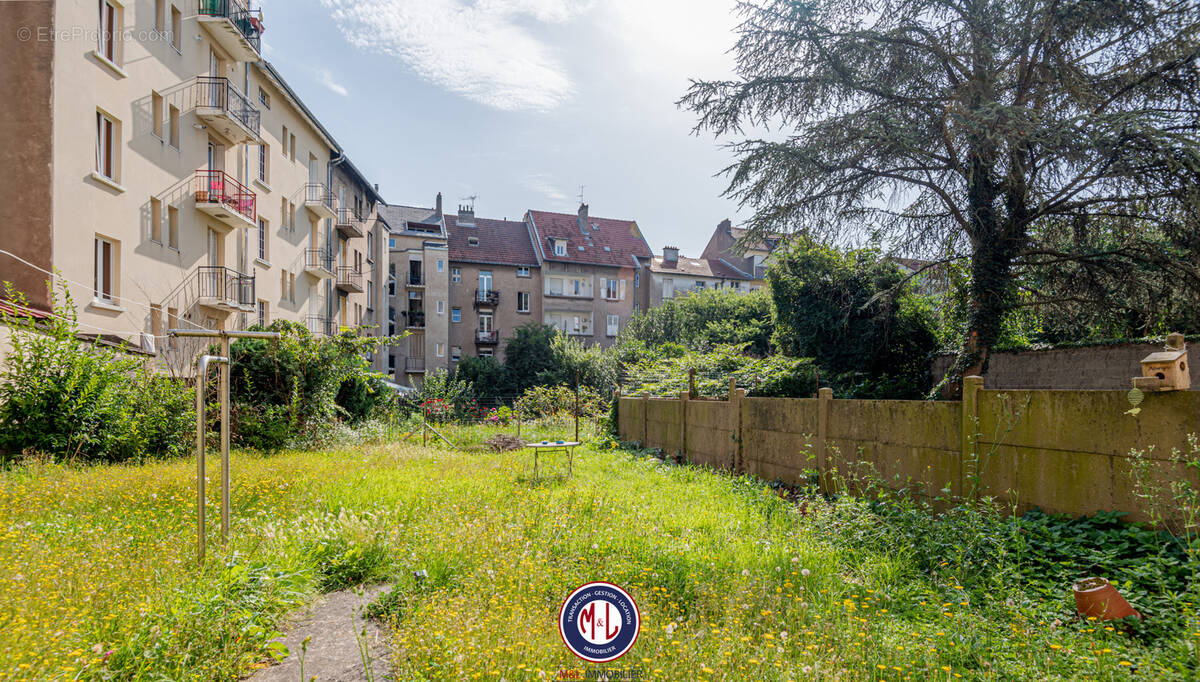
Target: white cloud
[544,185]
[486,50]
[325,77]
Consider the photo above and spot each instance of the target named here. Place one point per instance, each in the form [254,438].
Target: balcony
[226,110]
[348,223]
[318,263]
[224,289]
[319,200]
[227,200]
[489,298]
[234,26]
[415,280]
[349,279]
[414,365]
[416,320]
[483,338]
[319,325]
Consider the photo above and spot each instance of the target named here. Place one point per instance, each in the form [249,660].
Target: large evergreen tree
[971,129]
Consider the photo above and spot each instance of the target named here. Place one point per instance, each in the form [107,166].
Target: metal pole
[576,406]
[224,388]
[201,432]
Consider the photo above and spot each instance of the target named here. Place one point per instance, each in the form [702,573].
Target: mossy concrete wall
[1067,452]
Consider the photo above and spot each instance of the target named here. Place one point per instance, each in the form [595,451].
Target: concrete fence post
[616,412]
[683,444]
[824,473]
[739,429]
[968,457]
[646,419]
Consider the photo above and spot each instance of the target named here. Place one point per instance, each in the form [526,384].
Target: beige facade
[190,187]
[417,293]
[589,302]
[492,301]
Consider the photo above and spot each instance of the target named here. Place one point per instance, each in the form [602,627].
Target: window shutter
[621,287]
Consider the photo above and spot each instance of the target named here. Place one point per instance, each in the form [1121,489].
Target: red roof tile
[501,242]
[699,267]
[607,242]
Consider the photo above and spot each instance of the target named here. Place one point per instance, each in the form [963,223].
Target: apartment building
[673,275]
[593,272]
[495,283]
[729,246]
[170,175]
[417,292]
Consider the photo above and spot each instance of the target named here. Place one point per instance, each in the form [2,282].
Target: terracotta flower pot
[1097,598]
[202,196]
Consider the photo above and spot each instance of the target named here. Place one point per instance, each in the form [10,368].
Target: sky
[519,103]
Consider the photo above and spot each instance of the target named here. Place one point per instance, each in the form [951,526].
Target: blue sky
[519,102]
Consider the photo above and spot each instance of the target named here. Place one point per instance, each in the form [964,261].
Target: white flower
[804,572]
[669,629]
[745,572]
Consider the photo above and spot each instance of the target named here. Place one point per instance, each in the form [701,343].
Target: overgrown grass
[98,580]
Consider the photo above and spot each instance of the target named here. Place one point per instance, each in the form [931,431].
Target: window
[560,247]
[456,353]
[736,286]
[292,142]
[522,272]
[456,314]
[668,287]
[441,307]
[571,323]
[176,28]
[262,313]
[569,286]
[283,140]
[637,280]
[391,243]
[614,289]
[392,364]
[291,287]
[391,280]
[456,275]
[155,220]
[264,98]
[699,285]
[107,135]
[110,31]
[487,352]
[485,322]
[614,324]
[264,160]
[441,266]
[485,281]
[522,301]
[173,125]
[262,239]
[157,114]
[104,288]
[173,227]
[440,350]
[472,241]
[160,16]
[156,321]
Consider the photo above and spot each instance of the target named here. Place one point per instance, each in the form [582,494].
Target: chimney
[377,188]
[725,226]
[438,209]
[583,218]
[466,215]
[670,254]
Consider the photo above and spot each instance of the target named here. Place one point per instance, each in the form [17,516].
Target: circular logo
[599,622]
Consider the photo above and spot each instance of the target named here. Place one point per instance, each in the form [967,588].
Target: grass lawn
[98,580]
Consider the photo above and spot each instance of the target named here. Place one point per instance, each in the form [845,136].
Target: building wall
[1087,368]
[595,304]
[421,343]
[505,316]
[684,283]
[26,162]
[352,251]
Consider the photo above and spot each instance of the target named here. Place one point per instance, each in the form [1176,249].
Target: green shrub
[669,374]
[78,400]
[551,401]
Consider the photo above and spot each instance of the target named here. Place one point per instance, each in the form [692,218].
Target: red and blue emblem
[599,622]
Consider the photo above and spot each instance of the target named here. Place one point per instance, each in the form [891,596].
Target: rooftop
[499,242]
[598,241]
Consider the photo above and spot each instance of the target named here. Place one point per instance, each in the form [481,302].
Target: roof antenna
[581,193]
[471,199]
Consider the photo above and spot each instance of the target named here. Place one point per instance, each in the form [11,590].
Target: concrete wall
[1062,451]
[1090,368]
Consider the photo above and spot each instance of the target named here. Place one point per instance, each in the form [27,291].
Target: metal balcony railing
[348,216]
[487,338]
[219,93]
[414,364]
[318,193]
[319,325]
[318,258]
[416,279]
[489,297]
[218,187]
[225,285]
[248,20]
[349,276]
[416,320]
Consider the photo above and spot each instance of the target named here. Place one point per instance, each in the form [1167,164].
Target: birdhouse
[1166,370]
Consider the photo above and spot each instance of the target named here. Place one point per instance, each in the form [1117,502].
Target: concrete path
[333,649]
